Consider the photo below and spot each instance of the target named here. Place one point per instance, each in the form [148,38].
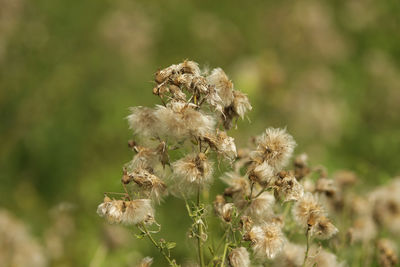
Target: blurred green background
[327,70]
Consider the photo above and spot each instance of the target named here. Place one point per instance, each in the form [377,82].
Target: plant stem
[171,262]
[224,255]
[200,231]
[308,246]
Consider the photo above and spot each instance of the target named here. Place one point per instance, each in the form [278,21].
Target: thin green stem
[224,255]
[222,240]
[148,234]
[200,234]
[308,246]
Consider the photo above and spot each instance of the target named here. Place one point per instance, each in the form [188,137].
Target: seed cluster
[267,202]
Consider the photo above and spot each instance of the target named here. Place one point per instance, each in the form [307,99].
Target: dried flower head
[292,255]
[261,208]
[387,253]
[182,120]
[18,246]
[148,183]
[301,168]
[345,178]
[143,121]
[192,172]
[275,147]
[238,185]
[223,86]
[326,186]
[227,211]
[386,205]
[239,257]
[222,143]
[363,230]
[322,228]
[321,257]
[267,240]
[146,262]
[261,173]
[144,157]
[288,188]
[126,212]
[241,104]
[306,209]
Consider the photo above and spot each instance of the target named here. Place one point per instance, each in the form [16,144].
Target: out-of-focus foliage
[69,70]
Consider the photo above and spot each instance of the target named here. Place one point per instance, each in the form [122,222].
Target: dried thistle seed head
[18,246]
[345,178]
[144,157]
[267,240]
[326,186]
[275,147]
[169,91]
[308,185]
[149,184]
[227,212]
[322,228]
[386,205]
[387,253]
[261,208]
[190,67]
[289,188]
[306,209]
[146,262]
[111,210]
[363,229]
[238,185]
[223,86]
[241,104]
[227,117]
[226,145]
[192,171]
[127,212]
[262,173]
[243,159]
[182,120]
[292,255]
[359,205]
[214,100]
[222,143]
[321,257]
[143,121]
[301,168]
[239,257]
[219,203]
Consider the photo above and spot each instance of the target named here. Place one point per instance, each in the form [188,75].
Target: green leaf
[170,245]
